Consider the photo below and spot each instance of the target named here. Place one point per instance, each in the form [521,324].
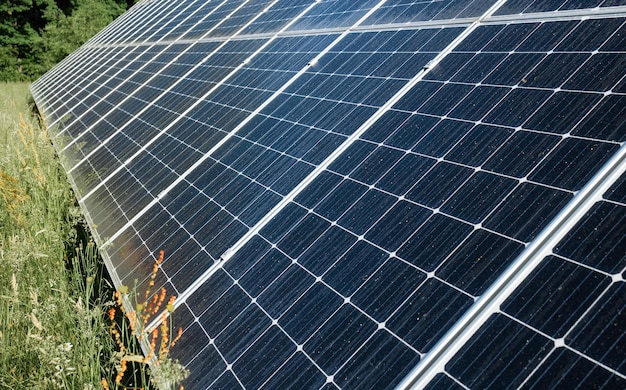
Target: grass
[55,330]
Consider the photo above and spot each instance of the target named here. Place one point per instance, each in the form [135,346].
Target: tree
[36,34]
[65,33]
[20,23]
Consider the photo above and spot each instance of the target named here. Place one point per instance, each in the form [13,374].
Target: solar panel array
[362,194]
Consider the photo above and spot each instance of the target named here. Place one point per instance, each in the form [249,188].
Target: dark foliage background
[36,34]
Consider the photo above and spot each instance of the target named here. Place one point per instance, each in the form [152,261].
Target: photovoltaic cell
[155,15]
[277,16]
[332,14]
[403,11]
[338,185]
[565,316]
[201,11]
[159,31]
[531,6]
[241,17]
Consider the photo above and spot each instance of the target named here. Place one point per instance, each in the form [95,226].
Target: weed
[138,310]
[54,330]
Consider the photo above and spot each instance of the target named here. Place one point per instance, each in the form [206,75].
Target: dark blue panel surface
[214,18]
[443,382]
[529,6]
[501,354]
[191,122]
[566,369]
[333,13]
[575,299]
[599,239]
[161,31]
[402,11]
[556,295]
[277,17]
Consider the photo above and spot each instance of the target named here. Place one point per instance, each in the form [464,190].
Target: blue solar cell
[417,96]
[303,235]
[434,188]
[478,102]
[564,167]
[298,372]
[547,35]
[600,73]
[350,328]
[349,272]
[366,211]
[617,192]
[409,169]
[526,6]
[598,240]
[479,38]
[485,190]
[402,11]
[409,133]
[428,314]
[344,195]
[207,24]
[555,296]
[310,311]
[382,362]
[388,288]
[510,36]
[512,70]
[226,381]
[285,290]
[476,263]
[229,306]
[589,35]
[241,333]
[445,99]
[521,153]
[199,11]
[562,112]
[565,368]
[501,354]
[333,13]
[606,121]
[397,224]
[267,354]
[441,136]
[210,368]
[527,210]
[453,62]
[433,242]
[376,165]
[443,382]
[160,31]
[478,144]
[598,335]
[516,107]
[264,272]
[326,250]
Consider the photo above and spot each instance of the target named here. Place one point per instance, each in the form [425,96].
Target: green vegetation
[36,34]
[48,327]
[60,326]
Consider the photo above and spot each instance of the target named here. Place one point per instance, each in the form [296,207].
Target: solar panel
[361,194]
[562,325]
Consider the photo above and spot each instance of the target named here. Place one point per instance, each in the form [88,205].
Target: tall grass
[45,341]
[54,329]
